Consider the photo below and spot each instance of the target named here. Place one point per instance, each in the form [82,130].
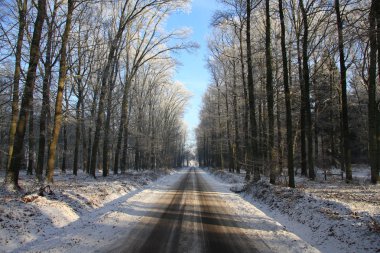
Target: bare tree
[12,176]
[289,124]
[372,106]
[22,9]
[346,152]
[61,87]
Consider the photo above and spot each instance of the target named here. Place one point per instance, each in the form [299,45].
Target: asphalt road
[189,217]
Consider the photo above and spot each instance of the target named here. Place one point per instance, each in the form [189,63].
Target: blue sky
[193,73]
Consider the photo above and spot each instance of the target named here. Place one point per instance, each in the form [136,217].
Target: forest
[88,85]
[295,89]
[97,153]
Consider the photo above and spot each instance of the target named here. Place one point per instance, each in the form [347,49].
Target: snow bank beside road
[76,199]
[328,224]
[258,223]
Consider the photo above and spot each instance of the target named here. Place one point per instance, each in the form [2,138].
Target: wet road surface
[188,217]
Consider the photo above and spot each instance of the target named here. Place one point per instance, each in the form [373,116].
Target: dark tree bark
[331,114]
[346,152]
[231,161]
[220,141]
[106,158]
[12,175]
[246,104]
[302,89]
[77,134]
[65,149]
[269,91]
[124,109]
[22,9]
[104,85]
[251,92]
[84,140]
[45,108]
[280,148]
[65,141]
[79,116]
[124,127]
[77,128]
[90,129]
[306,79]
[103,92]
[378,73]
[61,86]
[31,142]
[302,112]
[288,102]
[372,145]
[236,148]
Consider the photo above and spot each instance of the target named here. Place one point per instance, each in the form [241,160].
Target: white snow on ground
[259,224]
[78,204]
[85,214]
[332,216]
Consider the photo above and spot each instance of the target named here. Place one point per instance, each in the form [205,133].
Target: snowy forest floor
[76,200]
[331,215]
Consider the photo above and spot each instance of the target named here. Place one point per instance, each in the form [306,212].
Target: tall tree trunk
[103,88]
[90,130]
[251,92]
[306,79]
[378,73]
[106,158]
[61,86]
[302,121]
[125,126]
[302,111]
[137,154]
[22,9]
[77,135]
[123,162]
[372,145]
[269,91]
[103,91]
[280,144]
[236,148]
[220,141]
[45,108]
[65,142]
[139,140]
[231,161]
[262,131]
[288,102]
[84,140]
[12,175]
[124,109]
[331,115]
[205,155]
[246,105]
[280,148]
[316,132]
[343,83]
[32,152]
[89,136]
[64,153]
[79,121]
[152,134]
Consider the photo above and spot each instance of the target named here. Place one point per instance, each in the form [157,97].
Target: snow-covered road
[194,213]
[188,211]
[190,216]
